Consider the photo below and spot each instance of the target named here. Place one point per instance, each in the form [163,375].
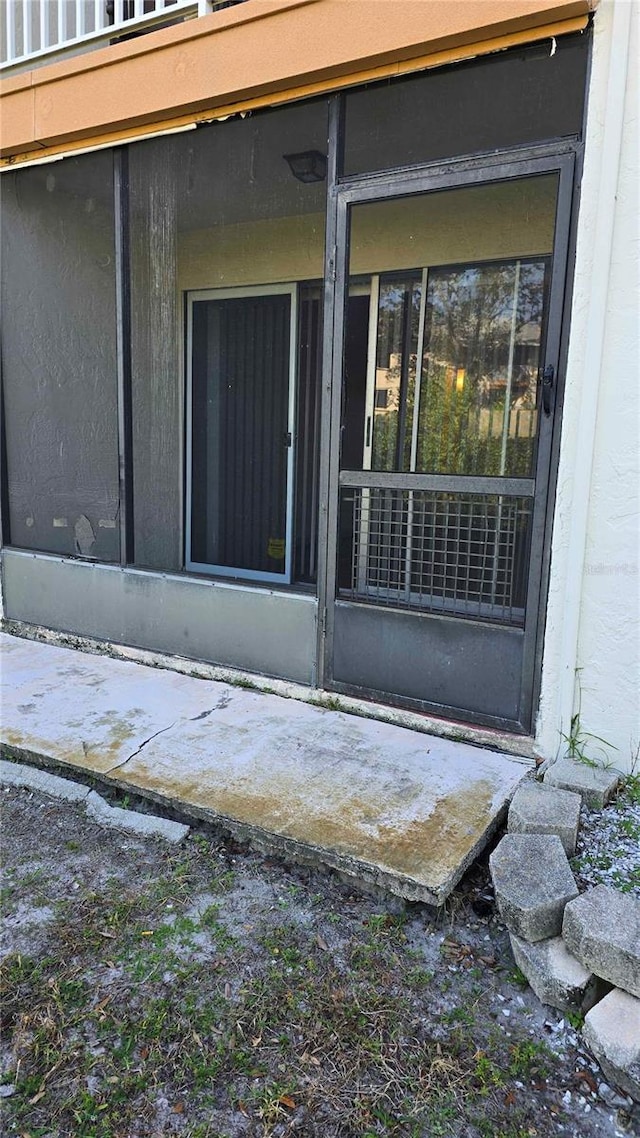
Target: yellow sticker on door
[275,548]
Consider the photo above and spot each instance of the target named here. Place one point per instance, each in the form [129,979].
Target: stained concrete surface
[385,804]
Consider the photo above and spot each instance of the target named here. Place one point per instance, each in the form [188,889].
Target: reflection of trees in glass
[398,319]
[482,343]
[477,411]
[476,415]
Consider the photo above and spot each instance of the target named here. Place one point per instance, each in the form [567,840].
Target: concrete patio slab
[384,804]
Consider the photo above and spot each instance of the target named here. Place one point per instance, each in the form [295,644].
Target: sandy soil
[210,992]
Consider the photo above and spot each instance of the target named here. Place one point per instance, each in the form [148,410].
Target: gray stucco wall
[156,361]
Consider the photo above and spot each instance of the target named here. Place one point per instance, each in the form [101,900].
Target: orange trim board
[326,86]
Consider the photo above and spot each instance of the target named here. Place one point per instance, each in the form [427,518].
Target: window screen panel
[514,98]
[59,357]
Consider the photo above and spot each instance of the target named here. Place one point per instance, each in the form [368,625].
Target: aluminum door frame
[248,291]
[557,159]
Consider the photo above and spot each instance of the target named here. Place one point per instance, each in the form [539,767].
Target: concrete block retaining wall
[580,953]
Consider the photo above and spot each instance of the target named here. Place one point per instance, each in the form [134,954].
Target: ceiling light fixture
[308,166]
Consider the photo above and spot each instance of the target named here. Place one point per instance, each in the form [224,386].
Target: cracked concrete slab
[383,803]
[91,711]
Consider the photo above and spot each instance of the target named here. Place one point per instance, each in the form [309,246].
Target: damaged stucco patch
[84,535]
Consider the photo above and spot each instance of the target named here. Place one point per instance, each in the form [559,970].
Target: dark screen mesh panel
[59,358]
[250,236]
[155,359]
[478,407]
[512,99]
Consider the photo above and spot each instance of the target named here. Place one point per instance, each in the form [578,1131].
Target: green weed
[579,742]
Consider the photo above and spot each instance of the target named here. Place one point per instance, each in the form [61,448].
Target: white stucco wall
[593,618]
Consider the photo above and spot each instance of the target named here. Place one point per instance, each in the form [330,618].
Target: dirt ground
[211,992]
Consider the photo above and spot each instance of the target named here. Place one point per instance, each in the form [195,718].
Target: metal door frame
[559,158]
[248,291]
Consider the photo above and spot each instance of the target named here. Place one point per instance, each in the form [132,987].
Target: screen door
[448,316]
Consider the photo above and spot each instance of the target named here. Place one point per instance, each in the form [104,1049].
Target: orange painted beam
[17,113]
[259,52]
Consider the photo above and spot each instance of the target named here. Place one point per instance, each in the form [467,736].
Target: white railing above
[34,32]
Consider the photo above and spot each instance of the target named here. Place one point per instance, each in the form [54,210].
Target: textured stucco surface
[609,639]
[606,584]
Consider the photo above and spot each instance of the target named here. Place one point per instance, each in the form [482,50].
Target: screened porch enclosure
[294,415]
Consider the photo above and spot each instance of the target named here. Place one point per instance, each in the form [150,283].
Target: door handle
[287,438]
[548,377]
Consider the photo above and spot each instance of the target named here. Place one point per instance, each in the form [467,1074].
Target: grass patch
[144,1015]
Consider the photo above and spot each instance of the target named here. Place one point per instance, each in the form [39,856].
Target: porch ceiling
[381,803]
[257,53]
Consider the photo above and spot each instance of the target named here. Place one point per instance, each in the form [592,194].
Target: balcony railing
[34,32]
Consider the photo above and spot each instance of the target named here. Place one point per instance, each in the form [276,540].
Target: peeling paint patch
[85,536]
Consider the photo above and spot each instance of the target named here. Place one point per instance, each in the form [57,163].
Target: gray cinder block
[612,1031]
[539,809]
[602,928]
[595,785]
[533,882]
[557,978]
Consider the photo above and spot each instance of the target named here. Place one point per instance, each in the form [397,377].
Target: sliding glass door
[240,409]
